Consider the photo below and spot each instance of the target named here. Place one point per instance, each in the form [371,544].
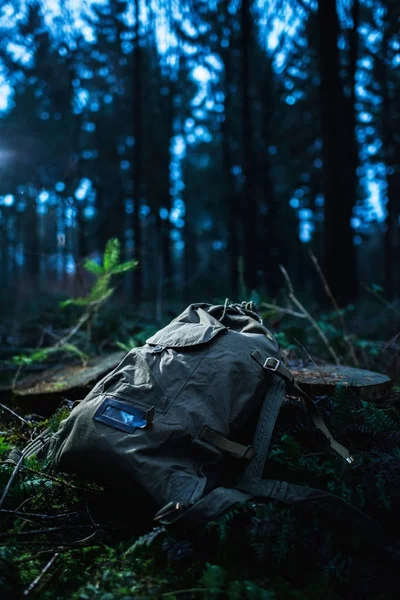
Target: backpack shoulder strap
[276,366]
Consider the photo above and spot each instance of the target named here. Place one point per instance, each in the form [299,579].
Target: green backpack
[187,419]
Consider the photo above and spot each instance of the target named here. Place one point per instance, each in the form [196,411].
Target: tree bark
[269,251]
[249,202]
[391,152]
[137,154]
[339,250]
[231,197]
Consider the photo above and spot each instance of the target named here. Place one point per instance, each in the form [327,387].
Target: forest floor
[62,537]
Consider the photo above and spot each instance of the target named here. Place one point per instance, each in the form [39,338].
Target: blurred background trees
[216,139]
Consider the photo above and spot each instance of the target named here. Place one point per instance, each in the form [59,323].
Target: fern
[93,267]
[101,290]
[44,353]
[213,579]
[111,254]
[375,418]
[224,522]
[124,267]
[382,493]
[342,413]
[284,539]
[146,540]
[127,347]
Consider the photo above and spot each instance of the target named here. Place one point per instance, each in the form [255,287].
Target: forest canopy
[215,139]
[238,153]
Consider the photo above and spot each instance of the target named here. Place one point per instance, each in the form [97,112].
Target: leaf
[111,254]
[123,267]
[74,302]
[93,267]
[101,298]
[75,350]
[127,347]
[214,578]
[100,289]
[4,446]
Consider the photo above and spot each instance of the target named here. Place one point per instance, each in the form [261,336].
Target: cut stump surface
[321,380]
[68,377]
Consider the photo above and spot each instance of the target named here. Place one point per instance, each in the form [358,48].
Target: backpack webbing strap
[274,365]
[316,502]
[205,509]
[308,499]
[222,443]
[265,426]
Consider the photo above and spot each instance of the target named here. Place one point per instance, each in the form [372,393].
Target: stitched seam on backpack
[189,377]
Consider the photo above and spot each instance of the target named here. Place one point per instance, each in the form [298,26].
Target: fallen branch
[336,307]
[308,316]
[389,305]
[60,481]
[44,517]
[285,311]
[25,422]
[42,531]
[34,583]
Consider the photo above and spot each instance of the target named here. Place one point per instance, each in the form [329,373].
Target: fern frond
[111,254]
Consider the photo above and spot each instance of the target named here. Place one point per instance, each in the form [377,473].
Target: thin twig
[17,374]
[187,591]
[10,481]
[89,514]
[34,583]
[87,541]
[285,311]
[311,359]
[20,513]
[58,480]
[287,279]
[309,317]
[42,531]
[328,291]
[383,300]
[390,342]
[14,413]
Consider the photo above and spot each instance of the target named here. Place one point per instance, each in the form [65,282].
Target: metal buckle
[248,453]
[157,349]
[350,460]
[275,362]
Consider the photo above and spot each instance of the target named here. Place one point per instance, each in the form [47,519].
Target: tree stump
[65,378]
[322,380]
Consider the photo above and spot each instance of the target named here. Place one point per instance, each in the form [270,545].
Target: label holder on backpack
[123,416]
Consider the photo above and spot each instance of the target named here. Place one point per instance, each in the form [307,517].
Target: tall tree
[389,84]
[249,200]
[137,84]
[339,250]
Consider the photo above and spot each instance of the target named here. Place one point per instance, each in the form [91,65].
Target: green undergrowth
[62,537]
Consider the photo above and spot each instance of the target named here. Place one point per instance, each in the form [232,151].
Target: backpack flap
[180,334]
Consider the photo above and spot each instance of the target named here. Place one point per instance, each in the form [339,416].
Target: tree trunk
[231,198]
[137,154]
[269,251]
[249,202]
[167,109]
[391,152]
[339,250]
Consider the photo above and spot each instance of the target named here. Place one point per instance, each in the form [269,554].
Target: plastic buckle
[275,364]
[350,460]
[168,509]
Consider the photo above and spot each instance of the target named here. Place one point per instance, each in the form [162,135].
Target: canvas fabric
[213,382]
